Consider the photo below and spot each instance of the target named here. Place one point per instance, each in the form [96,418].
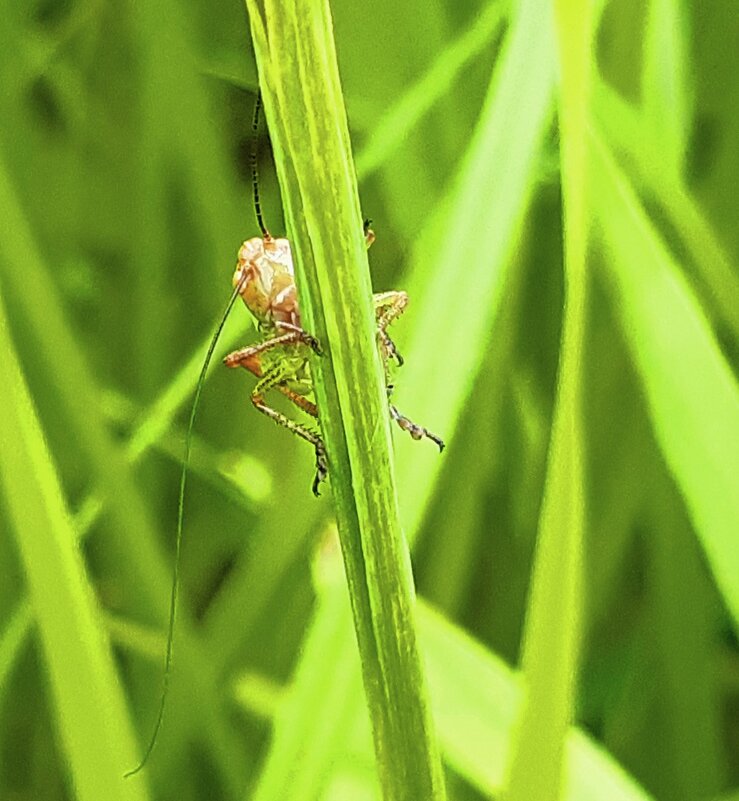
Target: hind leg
[416,431]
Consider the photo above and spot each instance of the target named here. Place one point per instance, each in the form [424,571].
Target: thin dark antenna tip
[254,166]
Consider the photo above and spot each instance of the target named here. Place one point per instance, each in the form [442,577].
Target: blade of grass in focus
[304,106]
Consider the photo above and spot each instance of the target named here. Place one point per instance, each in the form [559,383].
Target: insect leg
[416,431]
[389,349]
[302,336]
[274,379]
[254,366]
[293,336]
[388,307]
[369,234]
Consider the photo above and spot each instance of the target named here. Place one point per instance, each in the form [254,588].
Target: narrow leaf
[88,702]
[304,105]
[553,620]
[691,393]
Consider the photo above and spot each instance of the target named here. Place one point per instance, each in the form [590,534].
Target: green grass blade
[15,633]
[76,396]
[485,209]
[400,119]
[691,394]
[313,719]
[89,705]
[552,634]
[666,89]
[477,699]
[460,264]
[624,129]
[304,105]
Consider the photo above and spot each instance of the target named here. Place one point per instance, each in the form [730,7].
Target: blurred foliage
[124,194]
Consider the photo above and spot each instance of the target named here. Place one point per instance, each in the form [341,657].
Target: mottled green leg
[272,379]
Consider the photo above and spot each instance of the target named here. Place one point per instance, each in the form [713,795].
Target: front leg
[293,336]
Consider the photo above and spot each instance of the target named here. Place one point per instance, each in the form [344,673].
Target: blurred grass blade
[477,698]
[460,264]
[14,635]
[304,106]
[551,639]
[691,393]
[625,130]
[90,711]
[156,421]
[666,88]
[400,119]
[313,719]
[75,395]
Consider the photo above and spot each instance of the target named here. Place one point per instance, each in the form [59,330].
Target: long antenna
[178,541]
[174,594]
[254,158]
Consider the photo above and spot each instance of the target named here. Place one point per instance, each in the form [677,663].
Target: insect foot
[416,431]
[321,466]
[369,234]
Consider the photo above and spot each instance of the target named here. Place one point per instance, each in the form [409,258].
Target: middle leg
[275,379]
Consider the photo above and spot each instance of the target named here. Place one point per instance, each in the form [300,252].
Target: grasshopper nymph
[265,280]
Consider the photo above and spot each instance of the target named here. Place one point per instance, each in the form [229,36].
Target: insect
[265,280]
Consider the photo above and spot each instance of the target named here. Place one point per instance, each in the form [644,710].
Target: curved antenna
[178,541]
[254,166]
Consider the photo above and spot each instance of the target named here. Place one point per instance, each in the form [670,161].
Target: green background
[124,194]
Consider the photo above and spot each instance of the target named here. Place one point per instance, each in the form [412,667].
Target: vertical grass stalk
[553,624]
[299,78]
